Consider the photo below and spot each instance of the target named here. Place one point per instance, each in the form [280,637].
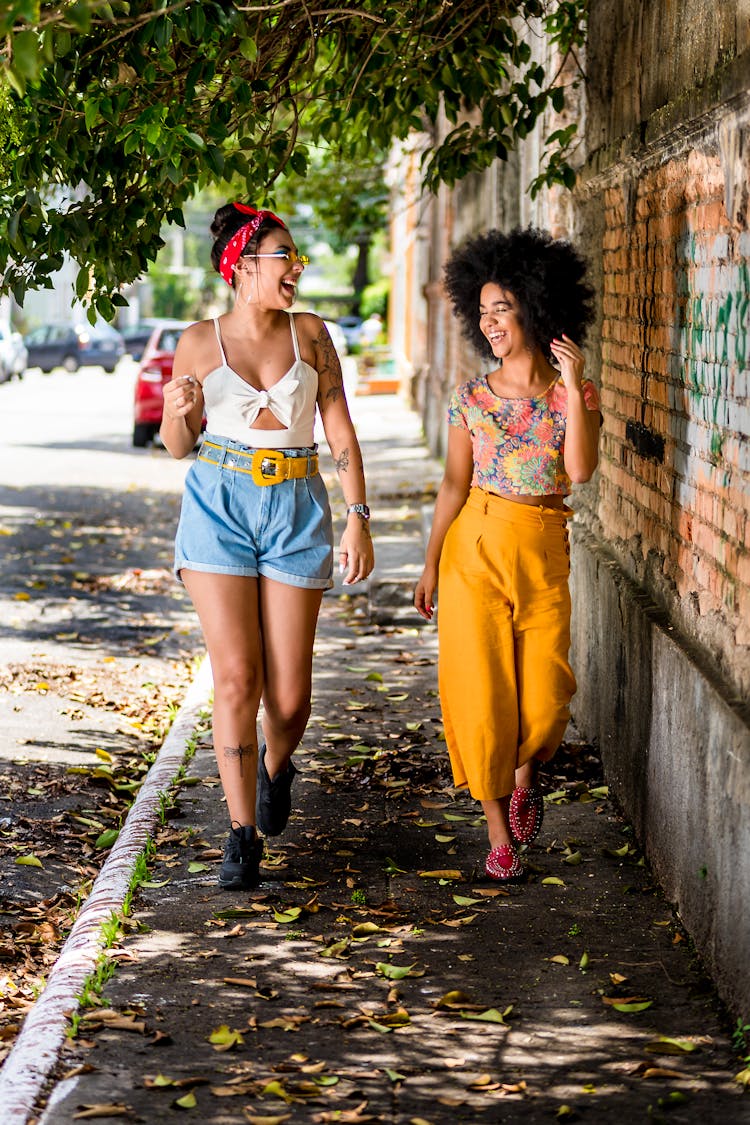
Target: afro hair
[546,275]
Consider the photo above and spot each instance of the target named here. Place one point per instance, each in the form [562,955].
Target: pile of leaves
[57,823]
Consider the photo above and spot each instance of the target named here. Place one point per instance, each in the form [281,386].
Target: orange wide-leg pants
[504,634]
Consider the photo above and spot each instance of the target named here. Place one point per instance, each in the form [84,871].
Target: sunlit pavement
[376,974]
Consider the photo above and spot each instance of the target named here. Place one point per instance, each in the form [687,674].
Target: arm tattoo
[240,752]
[342,461]
[330,368]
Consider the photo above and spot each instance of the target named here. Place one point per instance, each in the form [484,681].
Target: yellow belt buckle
[256,466]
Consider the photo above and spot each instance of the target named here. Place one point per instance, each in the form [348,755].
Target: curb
[35,1052]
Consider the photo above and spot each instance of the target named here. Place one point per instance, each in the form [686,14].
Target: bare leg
[227,606]
[288,616]
[498,826]
[527,774]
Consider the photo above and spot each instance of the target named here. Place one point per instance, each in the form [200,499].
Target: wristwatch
[361,510]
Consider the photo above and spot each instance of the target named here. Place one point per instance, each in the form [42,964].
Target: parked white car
[13,354]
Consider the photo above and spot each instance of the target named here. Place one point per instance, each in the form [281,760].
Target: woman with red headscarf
[254,543]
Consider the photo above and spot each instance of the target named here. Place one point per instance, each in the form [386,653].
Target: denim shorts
[230,525]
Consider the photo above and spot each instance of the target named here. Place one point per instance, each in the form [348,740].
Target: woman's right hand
[424,594]
[180,396]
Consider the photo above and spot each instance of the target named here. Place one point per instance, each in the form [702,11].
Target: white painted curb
[35,1052]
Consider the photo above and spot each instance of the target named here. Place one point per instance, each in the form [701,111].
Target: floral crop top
[517,443]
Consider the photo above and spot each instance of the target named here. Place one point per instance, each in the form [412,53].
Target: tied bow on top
[278,399]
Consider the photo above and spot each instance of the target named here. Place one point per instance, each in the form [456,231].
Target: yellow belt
[266,466]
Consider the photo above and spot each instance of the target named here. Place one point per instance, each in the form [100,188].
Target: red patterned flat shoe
[526,813]
[503,863]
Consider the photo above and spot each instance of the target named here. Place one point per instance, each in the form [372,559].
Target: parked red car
[155,370]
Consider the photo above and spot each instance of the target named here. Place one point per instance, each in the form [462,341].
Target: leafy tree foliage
[116,111]
[349,200]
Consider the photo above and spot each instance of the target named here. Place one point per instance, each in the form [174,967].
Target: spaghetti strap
[221,346]
[297,356]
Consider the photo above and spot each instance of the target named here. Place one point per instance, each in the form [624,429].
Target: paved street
[375,975]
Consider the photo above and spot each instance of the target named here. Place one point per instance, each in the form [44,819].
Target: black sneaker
[242,855]
[273,802]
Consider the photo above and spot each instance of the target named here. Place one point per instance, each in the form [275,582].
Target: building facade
[661,558]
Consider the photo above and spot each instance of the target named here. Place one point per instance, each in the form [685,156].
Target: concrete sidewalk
[376,975]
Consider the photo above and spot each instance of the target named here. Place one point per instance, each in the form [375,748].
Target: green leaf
[665,1045]
[291,914]
[28,861]
[107,838]
[79,14]
[492,1015]
[394,1075]
[25,48]
[83,280]
[637,1006]
[674,1097]
[552,881]
[394,972]
[187,1101]
[195,868]
[336,949]
[224,1038]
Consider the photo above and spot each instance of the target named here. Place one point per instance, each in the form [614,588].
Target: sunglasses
[290,256]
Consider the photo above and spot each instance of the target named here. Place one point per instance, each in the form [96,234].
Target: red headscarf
[239,241]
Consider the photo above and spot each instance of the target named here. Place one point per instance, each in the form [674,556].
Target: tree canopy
[113,113]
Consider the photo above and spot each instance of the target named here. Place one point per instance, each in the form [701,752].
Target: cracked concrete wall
[676,756]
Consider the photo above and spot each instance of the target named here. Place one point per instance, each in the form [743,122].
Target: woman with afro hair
[519,437]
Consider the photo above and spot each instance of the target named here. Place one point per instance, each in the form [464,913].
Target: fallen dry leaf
[275,1119]
[102,1110]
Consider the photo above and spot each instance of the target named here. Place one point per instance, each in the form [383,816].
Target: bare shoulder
[310,327]
[199,331]
[197,352]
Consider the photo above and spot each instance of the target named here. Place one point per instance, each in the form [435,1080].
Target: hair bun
[226,222]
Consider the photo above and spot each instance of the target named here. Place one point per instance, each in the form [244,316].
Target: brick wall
[662,211]
[660,567]
[674,480]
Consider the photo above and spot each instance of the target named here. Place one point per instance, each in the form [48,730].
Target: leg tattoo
[240,752]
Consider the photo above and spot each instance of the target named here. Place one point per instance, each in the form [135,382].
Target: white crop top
[232,405]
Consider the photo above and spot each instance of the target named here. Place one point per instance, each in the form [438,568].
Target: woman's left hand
[356,555]
[571,361]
